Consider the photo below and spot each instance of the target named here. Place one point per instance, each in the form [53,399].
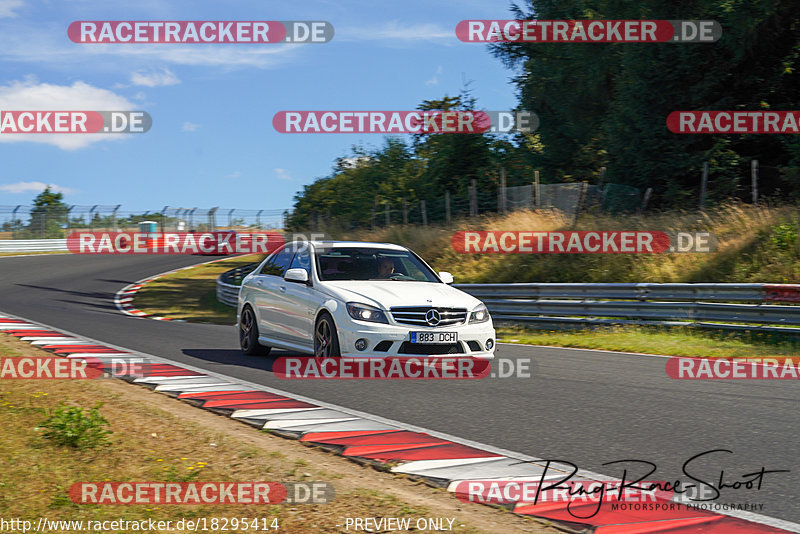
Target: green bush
[71,426]
[784,236]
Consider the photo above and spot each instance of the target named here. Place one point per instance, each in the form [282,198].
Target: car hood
[386,294]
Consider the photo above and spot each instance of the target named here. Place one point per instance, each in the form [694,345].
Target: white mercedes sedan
[341,298]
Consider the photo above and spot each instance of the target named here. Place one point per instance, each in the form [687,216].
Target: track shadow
[106,307]
[235,357]
[92,294]
[125,282]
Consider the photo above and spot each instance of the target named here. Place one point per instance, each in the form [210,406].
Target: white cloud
[233,175]
[189,127]
[435,79]
[44,43]
[211,56]
[7,7]
[283,174]
[154,78]
[34,187]
[30,95]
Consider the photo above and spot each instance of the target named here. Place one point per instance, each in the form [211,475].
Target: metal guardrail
[726,306]
[722,306]
[628,291]
[33,245]
[669,311]
[229,282]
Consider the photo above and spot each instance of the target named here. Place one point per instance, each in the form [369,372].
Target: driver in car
[386,268]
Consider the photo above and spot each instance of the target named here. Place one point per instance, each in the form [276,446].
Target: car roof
[352,244]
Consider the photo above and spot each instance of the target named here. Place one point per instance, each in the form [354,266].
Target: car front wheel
[248,334]
[326,341]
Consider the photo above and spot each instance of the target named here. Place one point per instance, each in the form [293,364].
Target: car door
[300,303]
[269,299]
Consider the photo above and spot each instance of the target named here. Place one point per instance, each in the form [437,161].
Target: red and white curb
[439,458]
[123,299]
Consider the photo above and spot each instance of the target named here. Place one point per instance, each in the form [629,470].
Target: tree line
[422,168]
[606,105]
[602,110]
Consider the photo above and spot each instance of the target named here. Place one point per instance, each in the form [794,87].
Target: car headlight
[365,312]
[479,314]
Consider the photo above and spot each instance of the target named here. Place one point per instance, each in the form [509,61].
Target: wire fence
[56,222]
[569,199]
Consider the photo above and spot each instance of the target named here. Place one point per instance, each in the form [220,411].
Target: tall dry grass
[756,244]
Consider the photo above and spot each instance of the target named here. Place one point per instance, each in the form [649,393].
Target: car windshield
[372,264]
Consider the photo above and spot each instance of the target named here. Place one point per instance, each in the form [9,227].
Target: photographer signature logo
[559,482]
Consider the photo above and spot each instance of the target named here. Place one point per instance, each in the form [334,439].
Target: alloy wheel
[322,339]
[245,328]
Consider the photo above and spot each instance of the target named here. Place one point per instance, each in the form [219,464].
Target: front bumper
[391,340]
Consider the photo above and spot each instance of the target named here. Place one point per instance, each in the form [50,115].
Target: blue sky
[212,141]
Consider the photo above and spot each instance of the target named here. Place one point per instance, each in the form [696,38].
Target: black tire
[248,334]
[326,340]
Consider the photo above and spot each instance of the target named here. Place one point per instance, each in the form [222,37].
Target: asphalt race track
[584,407]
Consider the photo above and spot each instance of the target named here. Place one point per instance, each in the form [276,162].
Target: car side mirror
[296,275]
[446,277]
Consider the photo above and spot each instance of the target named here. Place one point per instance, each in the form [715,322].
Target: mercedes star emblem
[432,317]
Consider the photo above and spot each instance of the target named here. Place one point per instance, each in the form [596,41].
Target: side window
[278,263]
[302,260]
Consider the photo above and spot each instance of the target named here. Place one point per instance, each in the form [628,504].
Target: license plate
[434,338]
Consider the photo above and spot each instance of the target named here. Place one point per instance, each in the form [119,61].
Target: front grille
[415,315]
[422,348]
[474,346]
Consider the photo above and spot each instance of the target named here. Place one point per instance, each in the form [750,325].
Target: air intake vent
[420,348]
[383,346]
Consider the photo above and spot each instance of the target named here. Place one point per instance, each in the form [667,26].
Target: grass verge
[157,438]
[654,340]
[191,295]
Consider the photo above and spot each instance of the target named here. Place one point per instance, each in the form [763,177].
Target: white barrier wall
[33,245]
